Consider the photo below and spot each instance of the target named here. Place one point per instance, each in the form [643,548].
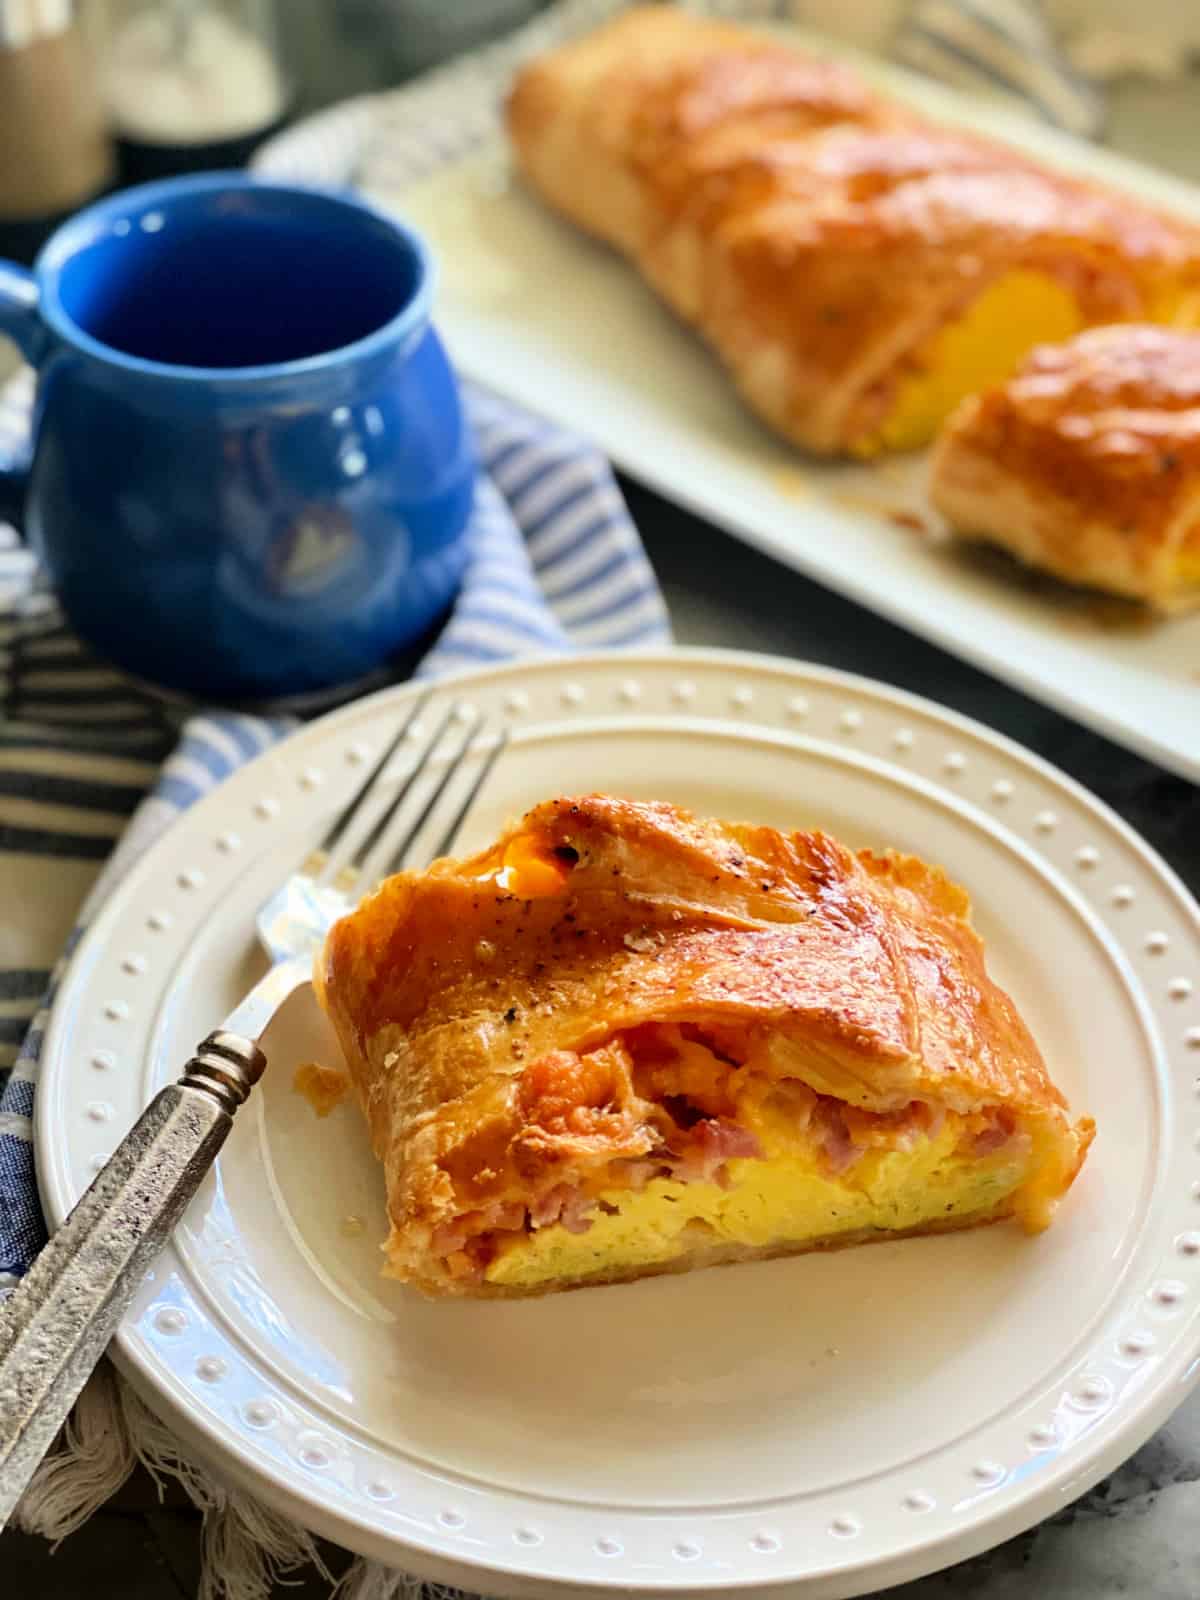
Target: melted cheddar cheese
[980,348]
[528,872]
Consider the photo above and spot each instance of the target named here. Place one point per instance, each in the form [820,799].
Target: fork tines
[385,845]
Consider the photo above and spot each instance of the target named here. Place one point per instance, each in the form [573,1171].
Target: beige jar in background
[55,153]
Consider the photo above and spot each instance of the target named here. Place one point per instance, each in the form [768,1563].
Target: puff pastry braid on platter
[858,269]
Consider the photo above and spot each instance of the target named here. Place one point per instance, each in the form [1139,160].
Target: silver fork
[55,1326]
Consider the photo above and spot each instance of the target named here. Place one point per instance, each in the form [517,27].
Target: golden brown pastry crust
[456,1000]
[817,234]
[643,96]
[1087,463]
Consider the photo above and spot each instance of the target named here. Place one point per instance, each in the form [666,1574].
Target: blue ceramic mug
[250,474]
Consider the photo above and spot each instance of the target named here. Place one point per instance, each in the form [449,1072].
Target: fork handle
[54,1327]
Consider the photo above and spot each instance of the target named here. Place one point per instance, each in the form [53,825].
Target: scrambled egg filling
[785,1198]
[980,348]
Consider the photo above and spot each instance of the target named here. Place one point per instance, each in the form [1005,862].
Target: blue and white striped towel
[556,565]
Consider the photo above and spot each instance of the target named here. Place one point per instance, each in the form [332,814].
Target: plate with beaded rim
[838,1422]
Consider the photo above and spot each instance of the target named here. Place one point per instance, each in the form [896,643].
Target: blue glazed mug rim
[80,232]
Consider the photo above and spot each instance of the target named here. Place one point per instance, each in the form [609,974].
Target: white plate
[841,1422]
[536,310]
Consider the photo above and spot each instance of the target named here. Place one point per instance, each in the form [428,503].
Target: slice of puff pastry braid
[625,1041]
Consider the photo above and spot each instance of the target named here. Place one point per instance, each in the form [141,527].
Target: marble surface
[1138,1533]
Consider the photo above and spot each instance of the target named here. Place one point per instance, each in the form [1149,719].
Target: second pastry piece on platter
[1086,464]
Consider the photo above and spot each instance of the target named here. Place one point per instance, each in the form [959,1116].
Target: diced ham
[450,1237]
[834,1141]
[563,1204]
[547,1208]
[998,1127]
[729,1140]
[990,1140]
[574,1218]
[887,1130]
[459,1265]
[697,1153]
[709,1145]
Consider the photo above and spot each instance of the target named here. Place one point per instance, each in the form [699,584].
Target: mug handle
[20,322]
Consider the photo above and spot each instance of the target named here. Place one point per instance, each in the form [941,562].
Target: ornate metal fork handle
[55,1325]
[54,1329]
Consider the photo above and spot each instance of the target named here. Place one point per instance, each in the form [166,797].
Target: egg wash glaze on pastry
[625,1041]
